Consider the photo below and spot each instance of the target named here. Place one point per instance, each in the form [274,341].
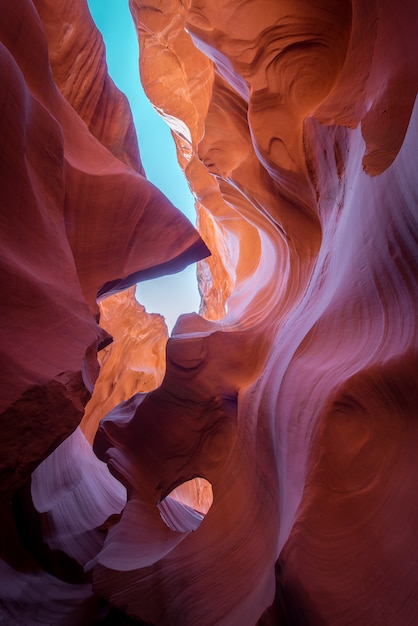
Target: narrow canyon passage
[258,467]
[175,294]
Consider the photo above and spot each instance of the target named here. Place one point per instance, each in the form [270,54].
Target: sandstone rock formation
[78,220]
[270,478]
[134,361]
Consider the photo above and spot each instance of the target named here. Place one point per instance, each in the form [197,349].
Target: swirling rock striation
[133,362]
[294,392]
[78,219]
[72,220]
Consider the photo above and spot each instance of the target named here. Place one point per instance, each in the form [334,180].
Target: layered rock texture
[260,466]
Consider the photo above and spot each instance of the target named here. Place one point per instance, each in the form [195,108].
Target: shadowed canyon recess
[259,466]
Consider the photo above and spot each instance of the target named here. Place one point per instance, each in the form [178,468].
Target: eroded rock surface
[133,362]
[78,219]
[294,393]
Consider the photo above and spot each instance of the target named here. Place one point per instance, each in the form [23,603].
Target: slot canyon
[260,465]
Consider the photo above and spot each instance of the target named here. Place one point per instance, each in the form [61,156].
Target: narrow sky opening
[178,293]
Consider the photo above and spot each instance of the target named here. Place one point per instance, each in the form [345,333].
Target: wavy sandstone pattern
[294,393]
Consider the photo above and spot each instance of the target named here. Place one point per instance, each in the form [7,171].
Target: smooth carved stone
[135,358]
[293,394]
[76,221]
[78,218]
[313,245]
[78,62]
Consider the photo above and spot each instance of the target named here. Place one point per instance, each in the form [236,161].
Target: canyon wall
[262,470]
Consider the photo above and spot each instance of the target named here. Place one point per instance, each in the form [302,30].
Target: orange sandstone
[293,393]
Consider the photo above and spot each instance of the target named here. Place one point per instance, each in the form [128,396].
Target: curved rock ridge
[78,219]
[294,392]
[302,166]
[78,62]
[133,362]
[57,181]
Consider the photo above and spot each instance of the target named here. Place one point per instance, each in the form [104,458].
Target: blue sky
[178,293]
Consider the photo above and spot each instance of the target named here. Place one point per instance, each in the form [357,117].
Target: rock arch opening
[186,506]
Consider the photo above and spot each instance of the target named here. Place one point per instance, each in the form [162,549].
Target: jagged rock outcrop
[293,395]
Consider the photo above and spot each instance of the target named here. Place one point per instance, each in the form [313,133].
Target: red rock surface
[133,362]
[294,394]
[77,219]
[57,181]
